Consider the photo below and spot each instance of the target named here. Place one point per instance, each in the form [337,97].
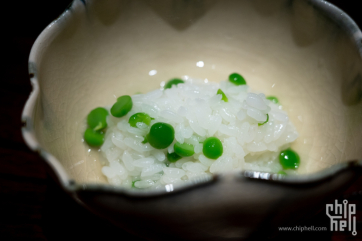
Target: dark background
[32,207]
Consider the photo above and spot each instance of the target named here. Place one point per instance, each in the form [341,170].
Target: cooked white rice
[197,112]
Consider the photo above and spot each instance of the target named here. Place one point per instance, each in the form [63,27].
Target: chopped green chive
[237,79]
[273,99]
[173,82]
[224,98]
[122,106]
[289,159]
[267,119]
[144,140]
[173,157]
[184,149]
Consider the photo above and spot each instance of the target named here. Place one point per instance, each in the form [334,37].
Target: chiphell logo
[343,216]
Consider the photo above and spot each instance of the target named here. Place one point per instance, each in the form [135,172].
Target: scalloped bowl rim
[69,185]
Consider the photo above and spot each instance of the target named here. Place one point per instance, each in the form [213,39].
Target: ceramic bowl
[308,53]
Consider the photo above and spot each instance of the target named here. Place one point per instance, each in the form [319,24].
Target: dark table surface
[32,206]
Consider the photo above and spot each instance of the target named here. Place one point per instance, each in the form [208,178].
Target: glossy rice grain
[190,135]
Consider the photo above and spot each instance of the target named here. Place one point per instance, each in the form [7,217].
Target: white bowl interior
[288,49]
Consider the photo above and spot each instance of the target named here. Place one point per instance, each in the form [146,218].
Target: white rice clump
[196,112]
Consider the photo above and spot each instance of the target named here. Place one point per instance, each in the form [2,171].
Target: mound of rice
[196,112]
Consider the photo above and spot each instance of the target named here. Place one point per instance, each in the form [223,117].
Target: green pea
[139,117]
[161,135]
[224,98]
[289,159]
[94,138]
[184,149]
[212,148]
[97,119]
[273,99]
[172,82]
[267,119]
[122,106]
[282,173]
[173,157]
[237,79]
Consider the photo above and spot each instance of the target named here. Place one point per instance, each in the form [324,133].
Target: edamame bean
[97,119]
[94,138]
[122,106]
